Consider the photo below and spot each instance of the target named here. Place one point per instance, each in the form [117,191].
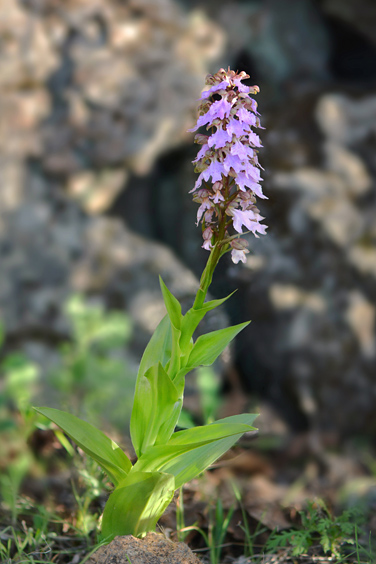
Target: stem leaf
[190,452]
[159,347]
[172,305]
[208,347]
[193,317]
[156,409]
[92,441]
[137,503]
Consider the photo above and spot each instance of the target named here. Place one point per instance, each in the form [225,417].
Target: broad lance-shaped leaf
[172,305]
[208,347]
[174,313]
[137,503]
[159,347]
[190,452]
[92,441]
[156,408]
[193,317]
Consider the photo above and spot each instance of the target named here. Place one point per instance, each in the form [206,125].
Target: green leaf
[92,441]
[179,378]
[208,347]
[156,409]
[172,305]
[137,503]
[174,312]
[159,347]
[193,317]
[190,452]
[215,430]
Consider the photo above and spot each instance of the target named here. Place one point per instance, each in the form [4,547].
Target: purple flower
[252,172]
[237,128]
[241,87]
[233,161]
[254,139]
[236,255]
[246,117]
[202,153]
[214,170]
[244,182]
[202,120]
[218,196]
[205,205]
[248,218]
[221,86]
[238,148]
[207,236]
[239,250]
[219,138]
[220,109]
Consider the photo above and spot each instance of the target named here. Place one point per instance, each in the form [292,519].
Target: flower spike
[228,160]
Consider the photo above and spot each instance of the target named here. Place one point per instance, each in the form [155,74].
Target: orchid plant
[226,190]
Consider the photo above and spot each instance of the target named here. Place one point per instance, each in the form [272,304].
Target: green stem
[215,254]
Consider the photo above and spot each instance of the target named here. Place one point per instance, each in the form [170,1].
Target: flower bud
[203,107]
[208,215]
[217,185]
[201,195]
[210,80]
[201,139]
[207,233]
[239,244]
[243,76]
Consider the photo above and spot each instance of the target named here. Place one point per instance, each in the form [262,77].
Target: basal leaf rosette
[227,163]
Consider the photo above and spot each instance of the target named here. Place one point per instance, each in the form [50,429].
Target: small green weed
[218,525]
[249,537]
[319,527]
[40,535]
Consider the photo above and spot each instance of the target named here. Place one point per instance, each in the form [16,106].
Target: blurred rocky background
[95,168]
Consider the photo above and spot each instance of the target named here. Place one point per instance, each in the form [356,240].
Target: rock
[152,549]
[288,296]
[349,167]
[28,55]
[96,192]
[61,105]
[346,121]
[98,256]
[285,41]
[128,116]
[340,219]
[324,200]
[361,316]
[363,258]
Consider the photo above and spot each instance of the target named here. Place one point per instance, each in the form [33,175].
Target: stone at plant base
[153,549]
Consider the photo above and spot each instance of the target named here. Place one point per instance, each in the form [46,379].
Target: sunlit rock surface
[96,90]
